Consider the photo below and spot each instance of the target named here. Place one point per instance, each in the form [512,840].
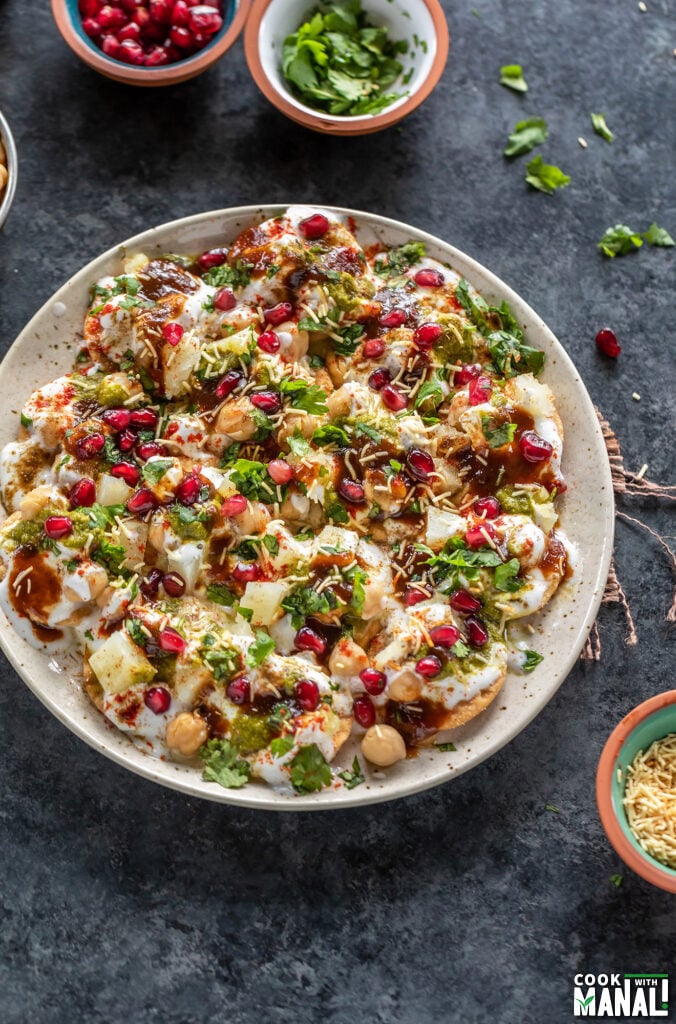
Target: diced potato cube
[111,490]
[264,601]
[442,525]
[119,664]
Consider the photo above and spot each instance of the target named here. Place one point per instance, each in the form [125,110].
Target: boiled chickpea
[382,745]
[186,733]
[405,687]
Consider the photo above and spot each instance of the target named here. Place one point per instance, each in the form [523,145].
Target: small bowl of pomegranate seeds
[150,42]
[8,169]
[368,67]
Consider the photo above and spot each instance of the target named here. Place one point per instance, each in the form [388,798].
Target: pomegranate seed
[126,441]
[128,5]
[188,491]
[268,342]
[147,449]
[224,299]
[267,401]
[180,36]
[141,501]
[129,31]
[160,11]
[393,398]
[420,464]
[212,258]
[444,636]
[234,505]
[477,634]
[110,45]
[246,572]
[278,314]
[534,448]
[58,526]
[280,471]
[118,419]
[200,39]
[308,639]
[307,694]
[395,318]
[91,27]
[151,584]
[476,536]
[156,57]
[489,507]
[607,343]
[239,690]
[463,601]
[130,52]
[429,666]
[205,19]
[180,13]
[379,379]
[174,584]
[412,595]
[351,490]
[373,680]
[364,712]
[373,348]
[141,16]
[127,471]
[89,8]
[144,419]
[157,699]
[480,390]
[429,278]
[228,383]
[466,373]
[171,641]
[111,17]
[427,336]
[172,332]
[90,446]
[314,227]
[83,493]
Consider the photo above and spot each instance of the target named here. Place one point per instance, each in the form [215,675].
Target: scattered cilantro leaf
[658,236]
[398,260]
[511,76]
[219,594]
[304,602]
[358,579]
[506,577]
[25,421]
[223,765]
[133,627]
[363,429]
[271,544]
[601,128]
[497,436]
[237,276]
[446,746]
[281,745]
[310,771]
[532,660]
[431,391]
[308,397]
[545,177]
[619,241]
[552,808]
[262,646]
[526,136]
[331,434]
[616,880]
[353,776]
[298,445]
[511,356]
[154,471]
[110,556]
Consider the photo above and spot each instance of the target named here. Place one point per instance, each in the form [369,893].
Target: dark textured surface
[125,903]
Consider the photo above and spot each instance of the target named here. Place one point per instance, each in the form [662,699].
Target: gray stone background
[122,902]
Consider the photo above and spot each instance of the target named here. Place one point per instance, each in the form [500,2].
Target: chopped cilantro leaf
[219,594]
[353,776]
[601,128]
[619,241]
[658,236]
[431,391]
[25,421]
[497,436]
[222,764]
[446,746]
[154,471]
[533,659]
[545,177]
[308,397]
[511,75]
[310,771]
[238,276]
[281,745]
[396,261]
[511,356]
[506,577]
[298,445]
[262,646]
[133,627]
[303,602]
[526,136]
[331,434]
[271,544]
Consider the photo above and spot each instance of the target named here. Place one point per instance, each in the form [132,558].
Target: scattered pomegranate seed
[373,680]
[160,10]
[534,448]
[395,318]
[268,342]
[171,641]
[463,601]
[58,526]
[188,491]
[427,336]
[607,342]
[379,378]
[420,464]
[147,449]
[180,13]
[351,490]
[126,441]
[308,639]
[239,690]
[466,373]
[127,471]
[429,666]
[234,505]
[480,390]
[278,314]
[212,258]
[89,8]
[307,694]
[477,634]
[444,636]
[90,446]
[174,584]
[228,384]
[151,584]
[280,471]
[412,595]
[130,52]
[117,419]
[267,401]
[224,299]
[180,36]
[157,57]
[83,493]
[144,419]
[110,45]
[373,348]
[476,536]
[489,507]
[111,17]
[157,699]
[142,17]
[429,278]
[204,19]
[172,333]
[314,227]
[141,501]
[246,572]
[91,27]
[364,712]
[393,398]
[130,31]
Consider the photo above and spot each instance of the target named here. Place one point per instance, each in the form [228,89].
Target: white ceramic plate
[46,348]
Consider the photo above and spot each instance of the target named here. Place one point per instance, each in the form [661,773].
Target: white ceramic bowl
[46,348]
[7,197]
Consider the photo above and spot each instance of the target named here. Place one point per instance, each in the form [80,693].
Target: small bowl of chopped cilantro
[347,67]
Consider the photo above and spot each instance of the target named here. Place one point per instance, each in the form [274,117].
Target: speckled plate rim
[588,514]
